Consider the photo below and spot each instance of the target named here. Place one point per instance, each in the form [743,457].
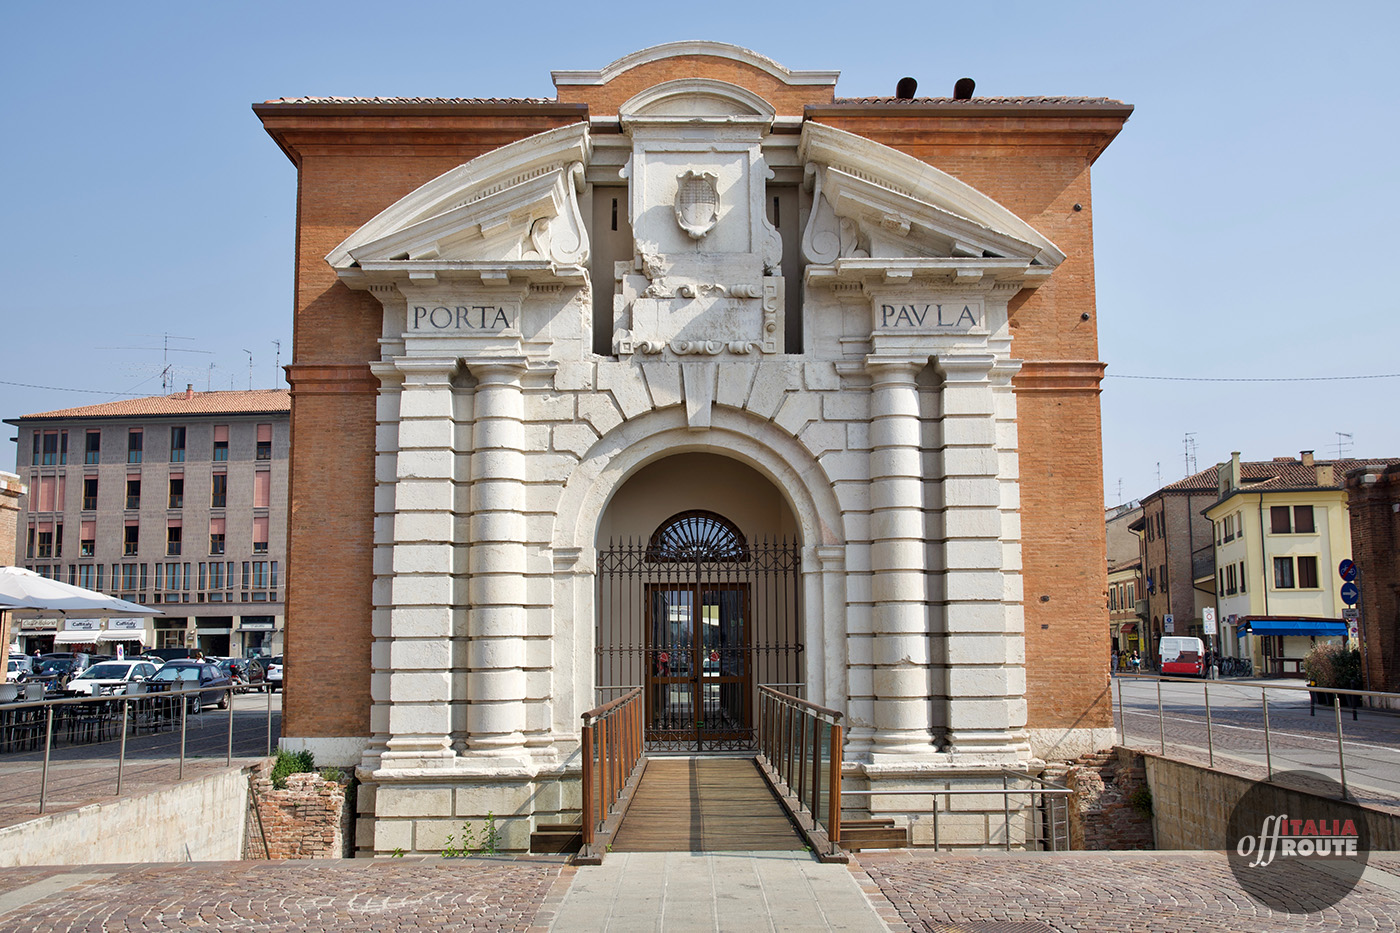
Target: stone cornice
[331,379]
[1059,376]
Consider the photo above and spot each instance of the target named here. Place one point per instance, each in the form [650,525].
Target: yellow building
[1281,528]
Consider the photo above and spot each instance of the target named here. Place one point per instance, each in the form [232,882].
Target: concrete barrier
[202,819]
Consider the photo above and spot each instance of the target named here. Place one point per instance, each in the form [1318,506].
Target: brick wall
[1102,812]
[1374,502]
[309,818]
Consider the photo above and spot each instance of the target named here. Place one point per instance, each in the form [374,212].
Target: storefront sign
[126,625]
[82,625]
[249,625]
[38,625]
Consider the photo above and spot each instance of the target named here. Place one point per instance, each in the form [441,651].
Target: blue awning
[1296,627]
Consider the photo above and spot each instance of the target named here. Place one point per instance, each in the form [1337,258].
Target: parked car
[55,670]
[172,654]
[110,677]
[215,686]
[274,673]
[247,673]
[20,666]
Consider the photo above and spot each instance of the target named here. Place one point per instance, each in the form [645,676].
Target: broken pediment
[872,202]
[517,205]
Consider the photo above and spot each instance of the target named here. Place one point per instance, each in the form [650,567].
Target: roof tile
[253,401]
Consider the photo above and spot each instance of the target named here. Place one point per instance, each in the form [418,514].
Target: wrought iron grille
[698,618]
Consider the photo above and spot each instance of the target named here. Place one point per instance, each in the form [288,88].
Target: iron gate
[698,618]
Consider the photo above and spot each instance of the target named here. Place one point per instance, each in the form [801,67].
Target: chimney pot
[189,391]
[1307,456]
[905,89]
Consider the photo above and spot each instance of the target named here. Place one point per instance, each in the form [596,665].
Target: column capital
[895,368]
[497,368]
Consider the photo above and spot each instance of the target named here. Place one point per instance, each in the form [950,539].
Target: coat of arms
[697,203]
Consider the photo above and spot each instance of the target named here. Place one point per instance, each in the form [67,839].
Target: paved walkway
[1084,892]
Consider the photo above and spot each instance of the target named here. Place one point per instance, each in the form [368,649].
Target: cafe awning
[1129,628]
[122,636]
[75,638]
[1322,627]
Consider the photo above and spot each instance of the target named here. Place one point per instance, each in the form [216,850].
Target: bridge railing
[801,742]
[612,748]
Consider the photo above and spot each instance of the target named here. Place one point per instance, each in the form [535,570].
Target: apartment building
[177,502]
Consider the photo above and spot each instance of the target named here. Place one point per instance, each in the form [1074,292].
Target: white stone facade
[503,439]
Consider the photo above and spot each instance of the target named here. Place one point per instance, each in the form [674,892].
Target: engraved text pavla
[461,317]
[930,317]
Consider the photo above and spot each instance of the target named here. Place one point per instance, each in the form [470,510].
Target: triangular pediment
[516,204]
[873,202]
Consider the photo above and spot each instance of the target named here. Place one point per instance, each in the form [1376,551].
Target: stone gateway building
[695,378]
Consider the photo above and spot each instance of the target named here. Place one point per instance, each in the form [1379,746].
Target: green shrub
[291,763]
[1333,666]
[1141,801]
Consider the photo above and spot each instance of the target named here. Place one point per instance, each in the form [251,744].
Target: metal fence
[26,725]
[1327,700]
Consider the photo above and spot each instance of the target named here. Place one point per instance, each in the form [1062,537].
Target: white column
[984,627]
[496,656]
[422,588]
[900,612]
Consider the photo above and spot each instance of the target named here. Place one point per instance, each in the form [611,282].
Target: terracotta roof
[255,401]
[1279,473]
[976,101]
[413,100]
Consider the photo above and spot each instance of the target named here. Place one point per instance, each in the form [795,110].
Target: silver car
[110,677]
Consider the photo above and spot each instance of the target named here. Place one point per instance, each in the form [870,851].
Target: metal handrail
[783,740]
[125,700]
[612,747]
[1049,791]
[1335,692]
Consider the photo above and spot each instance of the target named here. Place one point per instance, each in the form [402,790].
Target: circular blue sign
[1350,594]
[1347,569]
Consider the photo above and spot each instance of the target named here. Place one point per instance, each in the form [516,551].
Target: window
[89,493]
[1307,573]
[177,492]
[130,540]
[262,489]
[218,497]
[93,453]
[50,457]
[220,443]
[86,577]
[1113,598]
[173,540]
[260,534]
[264,442]
[1280,521]
[1303,520]
[58,540]
[87,541]
[1132,595]
[63,448]
[1230,580]
[216,536]
[177,445]
[38,446]
[133,445]
[133,493]
[1229,527]
[46,544]
[1239,524]
[1241,576]
[1283,573]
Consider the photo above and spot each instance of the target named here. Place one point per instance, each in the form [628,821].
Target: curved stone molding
[667,50]
[827,237]
[697,99]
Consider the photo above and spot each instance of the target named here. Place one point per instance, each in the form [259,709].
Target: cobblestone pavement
[346,896]
[918,892]
[1123,892]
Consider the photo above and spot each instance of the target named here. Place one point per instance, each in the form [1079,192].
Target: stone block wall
[1103,815]
[310,818]
[1373,500]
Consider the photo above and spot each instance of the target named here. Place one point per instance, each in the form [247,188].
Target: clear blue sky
[1240,217]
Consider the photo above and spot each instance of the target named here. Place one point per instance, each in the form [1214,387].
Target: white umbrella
[26,593]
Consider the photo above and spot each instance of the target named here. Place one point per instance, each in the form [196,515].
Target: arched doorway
[698,583]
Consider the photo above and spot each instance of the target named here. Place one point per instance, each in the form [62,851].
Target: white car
[110,677]
[274,672]
[19,667]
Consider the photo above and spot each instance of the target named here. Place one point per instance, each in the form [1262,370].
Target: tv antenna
[1343,445]
[1188,444]
[250,369]
[167,372]
[277,366]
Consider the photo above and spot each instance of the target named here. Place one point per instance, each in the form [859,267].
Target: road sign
[1350,594]
[1351,613]
[1208,619]
[1169,623]
[1347,569]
